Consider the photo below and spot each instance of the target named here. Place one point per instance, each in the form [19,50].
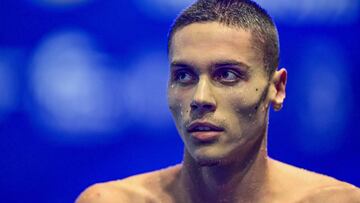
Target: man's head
[219,90]
[244,14]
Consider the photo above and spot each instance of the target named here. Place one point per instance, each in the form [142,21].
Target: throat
[240,180]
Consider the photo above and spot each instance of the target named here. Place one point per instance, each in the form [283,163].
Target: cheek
[253,96]
[248,104]
[173,103]
[177,103]
[244,101]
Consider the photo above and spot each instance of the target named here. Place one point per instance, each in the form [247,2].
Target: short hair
[244,14]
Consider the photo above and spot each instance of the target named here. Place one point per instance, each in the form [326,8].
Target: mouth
[204,131]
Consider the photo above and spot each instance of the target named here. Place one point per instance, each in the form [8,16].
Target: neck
[240,180]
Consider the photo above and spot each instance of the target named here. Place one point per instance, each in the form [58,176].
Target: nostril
[202,106]
[193,106]
[208,106]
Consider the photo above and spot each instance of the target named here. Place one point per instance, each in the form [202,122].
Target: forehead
[205,42]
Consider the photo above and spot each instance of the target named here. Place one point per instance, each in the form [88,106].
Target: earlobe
[279,82]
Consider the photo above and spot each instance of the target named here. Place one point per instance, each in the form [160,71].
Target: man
[223,58]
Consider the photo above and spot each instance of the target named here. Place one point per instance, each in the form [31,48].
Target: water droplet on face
[265,107]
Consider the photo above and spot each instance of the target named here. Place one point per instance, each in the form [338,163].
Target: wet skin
[218,77]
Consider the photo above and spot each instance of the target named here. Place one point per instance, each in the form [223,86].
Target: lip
[192,127]
[206,136]
[209,135]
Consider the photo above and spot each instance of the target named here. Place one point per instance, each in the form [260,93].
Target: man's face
[218,91]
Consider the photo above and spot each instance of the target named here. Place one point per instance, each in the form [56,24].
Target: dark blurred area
[83,92]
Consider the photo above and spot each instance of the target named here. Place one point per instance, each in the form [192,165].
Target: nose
[203,99]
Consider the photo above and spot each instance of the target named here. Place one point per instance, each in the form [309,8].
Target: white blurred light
[325,97]
[310,11]
[290,12]
[146,91]
[72,86]
[162,8]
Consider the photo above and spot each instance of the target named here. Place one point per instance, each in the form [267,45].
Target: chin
[208,163]
[205,158]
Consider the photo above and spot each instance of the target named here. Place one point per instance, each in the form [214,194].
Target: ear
[278,83]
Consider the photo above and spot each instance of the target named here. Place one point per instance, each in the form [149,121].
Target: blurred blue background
[83,92]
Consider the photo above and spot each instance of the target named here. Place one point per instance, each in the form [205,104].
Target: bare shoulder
[146,187]
[333,194]
[101,192]
[307,186]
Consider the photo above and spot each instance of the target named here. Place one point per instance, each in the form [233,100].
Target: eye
[225,75]
[184,77]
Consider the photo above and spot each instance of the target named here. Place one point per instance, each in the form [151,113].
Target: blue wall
[83,92]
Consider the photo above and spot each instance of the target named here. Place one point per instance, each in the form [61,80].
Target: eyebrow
[230,62]
[182,64]
[215,64]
